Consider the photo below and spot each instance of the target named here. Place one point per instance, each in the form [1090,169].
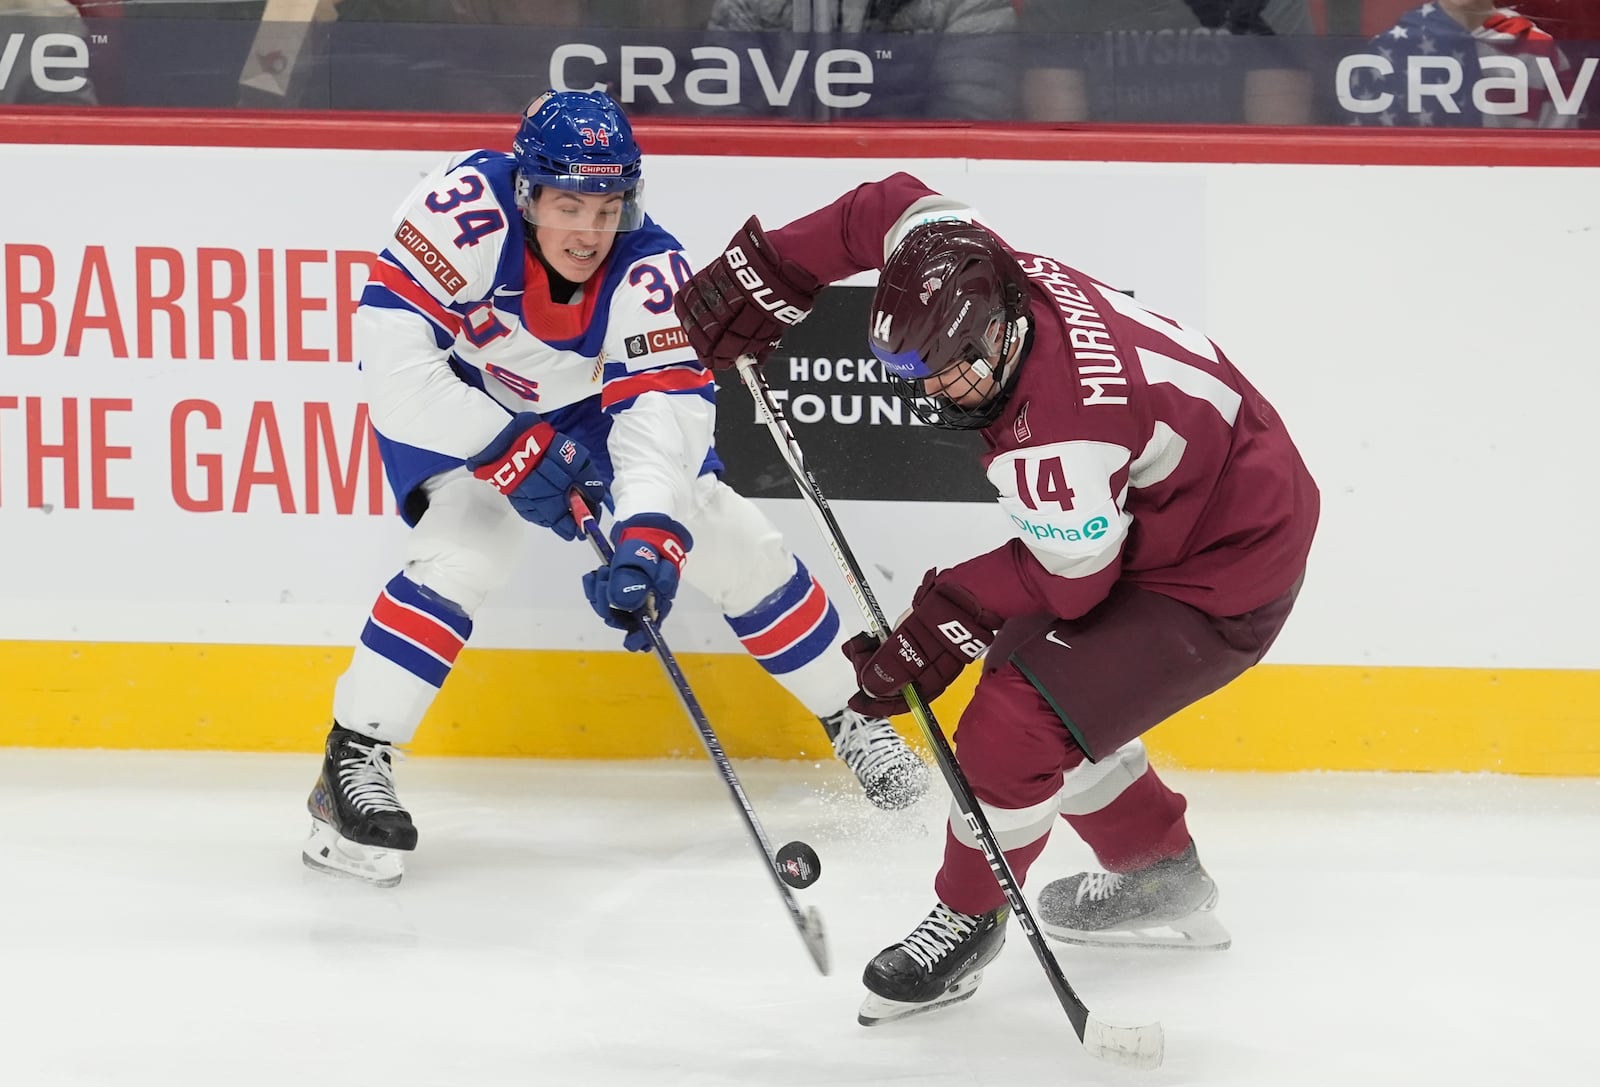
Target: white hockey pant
[465,547]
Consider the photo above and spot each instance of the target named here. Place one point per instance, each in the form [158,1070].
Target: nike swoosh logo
[1051,637]
[501,292]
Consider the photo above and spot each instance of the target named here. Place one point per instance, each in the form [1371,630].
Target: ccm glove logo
[517,464]
[761,294]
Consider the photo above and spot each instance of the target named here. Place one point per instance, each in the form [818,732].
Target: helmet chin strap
[1010,344]
[1011,349]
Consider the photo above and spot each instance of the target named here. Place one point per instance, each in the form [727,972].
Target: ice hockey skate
[890,773]
[358,827]
[940,963]
[1167,904]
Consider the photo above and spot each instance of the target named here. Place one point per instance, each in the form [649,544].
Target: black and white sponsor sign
[1184,76]
[860,440]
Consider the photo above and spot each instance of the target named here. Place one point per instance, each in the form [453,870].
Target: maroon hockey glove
[744,301]
[946,631]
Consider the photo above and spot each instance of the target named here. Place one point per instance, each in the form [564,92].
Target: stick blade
[1130,1047]
[816,940]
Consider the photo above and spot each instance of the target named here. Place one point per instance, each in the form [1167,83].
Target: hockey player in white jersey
[518,343]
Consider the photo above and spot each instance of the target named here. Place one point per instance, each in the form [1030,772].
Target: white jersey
[456,328]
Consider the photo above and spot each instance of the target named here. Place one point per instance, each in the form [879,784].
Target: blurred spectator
[648,13]
[1566,20]
[20,86]
[181,9]
[621,14]
[1425,71]
[518,12]
[1196,61]
[967,73]
[1575,24]
[437,52]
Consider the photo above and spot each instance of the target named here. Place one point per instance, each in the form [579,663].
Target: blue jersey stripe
[764,614]
[419,662]
[426,600]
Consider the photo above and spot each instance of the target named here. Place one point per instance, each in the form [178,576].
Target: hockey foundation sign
[861,441]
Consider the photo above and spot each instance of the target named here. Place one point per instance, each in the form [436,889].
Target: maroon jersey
[1130,448]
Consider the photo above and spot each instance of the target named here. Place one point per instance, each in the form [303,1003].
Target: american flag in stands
[1436,66]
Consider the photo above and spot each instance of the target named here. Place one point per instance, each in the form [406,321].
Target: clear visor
[552,201]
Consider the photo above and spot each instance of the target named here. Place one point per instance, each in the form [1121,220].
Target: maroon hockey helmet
[950,293]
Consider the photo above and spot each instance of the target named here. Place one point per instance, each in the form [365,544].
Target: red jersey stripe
[672,380]
[417,627]
[791,627]
[408,290]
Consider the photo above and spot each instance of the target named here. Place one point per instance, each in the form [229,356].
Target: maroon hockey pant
[1052,688]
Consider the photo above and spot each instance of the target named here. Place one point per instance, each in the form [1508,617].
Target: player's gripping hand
[946,630]
[535,467]
[649,549]
[744,301]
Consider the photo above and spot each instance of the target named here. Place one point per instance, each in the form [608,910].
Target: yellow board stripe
[617,705]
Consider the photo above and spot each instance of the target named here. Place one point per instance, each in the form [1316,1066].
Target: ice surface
[605,924]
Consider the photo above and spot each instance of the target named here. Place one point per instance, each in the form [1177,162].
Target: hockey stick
[1137,1047]
[807,922]
[279,40]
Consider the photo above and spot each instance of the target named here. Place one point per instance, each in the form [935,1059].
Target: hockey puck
[798,865]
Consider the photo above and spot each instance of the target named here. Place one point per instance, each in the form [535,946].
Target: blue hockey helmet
[581,142]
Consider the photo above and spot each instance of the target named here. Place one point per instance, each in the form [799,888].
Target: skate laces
[367,777]
[1098,885]
[938,935]
[868,745]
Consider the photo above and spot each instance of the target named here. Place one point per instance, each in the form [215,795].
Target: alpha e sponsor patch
[433,262]
[662,339]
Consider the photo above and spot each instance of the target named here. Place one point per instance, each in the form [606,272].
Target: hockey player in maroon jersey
[1163,519]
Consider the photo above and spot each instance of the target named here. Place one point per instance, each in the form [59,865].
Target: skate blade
[1199,931]
[877,1009]
[326,850]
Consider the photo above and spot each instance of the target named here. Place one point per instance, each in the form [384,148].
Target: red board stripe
[887,140]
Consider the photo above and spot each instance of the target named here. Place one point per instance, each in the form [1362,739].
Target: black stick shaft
[807,922]
[966,802]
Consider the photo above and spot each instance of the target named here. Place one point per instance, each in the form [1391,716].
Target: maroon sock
[1144,824]
[966,883]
